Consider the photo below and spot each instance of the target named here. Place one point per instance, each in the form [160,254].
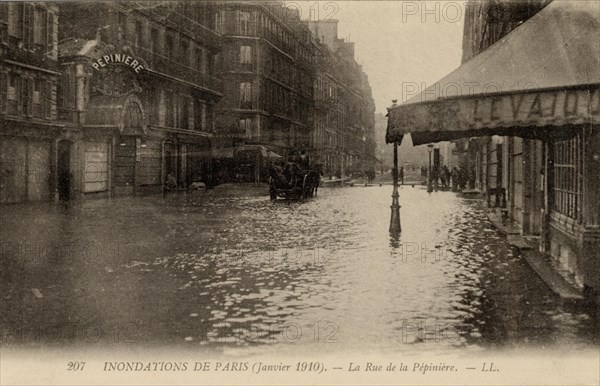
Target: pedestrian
[304,160]
[401,175]
[445,177]
[170,183]
[462,178]
[455,178]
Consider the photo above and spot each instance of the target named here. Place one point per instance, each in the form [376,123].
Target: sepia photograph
[224,192]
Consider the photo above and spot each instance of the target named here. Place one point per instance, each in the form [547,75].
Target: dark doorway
[64,170]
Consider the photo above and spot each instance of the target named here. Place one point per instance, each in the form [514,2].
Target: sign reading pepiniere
[117,58]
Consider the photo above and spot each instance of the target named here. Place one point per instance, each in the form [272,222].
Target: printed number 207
[75,366]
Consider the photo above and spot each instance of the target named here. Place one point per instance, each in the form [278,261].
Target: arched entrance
[127,146]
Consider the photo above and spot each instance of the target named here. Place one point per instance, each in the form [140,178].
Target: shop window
[566,198]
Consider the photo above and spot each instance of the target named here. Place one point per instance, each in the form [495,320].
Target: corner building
[138,95]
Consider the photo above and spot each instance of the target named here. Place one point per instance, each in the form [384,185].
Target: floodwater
[231,270]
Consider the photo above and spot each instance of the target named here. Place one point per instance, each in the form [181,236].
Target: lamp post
[429,187]
[395,227]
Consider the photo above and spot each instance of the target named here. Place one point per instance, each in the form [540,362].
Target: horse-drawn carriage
[291,181]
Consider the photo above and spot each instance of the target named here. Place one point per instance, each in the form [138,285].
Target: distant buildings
[343,137]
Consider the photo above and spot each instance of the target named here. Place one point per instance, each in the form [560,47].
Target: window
[15,20]
[3,89]
[246,127]
[246,95]
[200,115]
[169,48]
[139,34]
[169,109]
[201,59]
[4,23]
[154,102]
[566,177]
[184,116]
[122,22]
[50,35]
[219,22]
[185,52]
[154,46]
[244,23]
[246,55]
[13,94]
[38,98]
[41,23]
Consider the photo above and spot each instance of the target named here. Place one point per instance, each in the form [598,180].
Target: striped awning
[542,76]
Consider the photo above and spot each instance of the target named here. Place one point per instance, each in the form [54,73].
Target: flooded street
[231,270]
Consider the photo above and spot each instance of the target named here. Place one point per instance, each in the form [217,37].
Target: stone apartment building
[29,127]
[267,70]
[344,111]
[130,127]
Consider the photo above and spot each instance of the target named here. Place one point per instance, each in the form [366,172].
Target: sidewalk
[538,261]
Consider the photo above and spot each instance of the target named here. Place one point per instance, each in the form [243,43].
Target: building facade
[137,95]
[267,70]
[29,127]
[343,138]
[549,187]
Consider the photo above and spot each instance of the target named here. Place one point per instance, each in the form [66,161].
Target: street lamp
[429,187]
[395,227]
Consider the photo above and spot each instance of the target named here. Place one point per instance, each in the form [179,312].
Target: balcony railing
[179,70]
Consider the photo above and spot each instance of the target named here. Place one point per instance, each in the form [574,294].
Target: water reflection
[222,270]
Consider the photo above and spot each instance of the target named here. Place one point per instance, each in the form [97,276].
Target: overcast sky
[397,42]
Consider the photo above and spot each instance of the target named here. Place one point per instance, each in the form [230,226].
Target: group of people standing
[458,177]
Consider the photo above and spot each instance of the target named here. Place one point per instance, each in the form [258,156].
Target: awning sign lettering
[481,112]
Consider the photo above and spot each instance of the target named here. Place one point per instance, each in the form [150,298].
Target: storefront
[536,93]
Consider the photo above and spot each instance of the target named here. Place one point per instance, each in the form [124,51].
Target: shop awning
[543,75]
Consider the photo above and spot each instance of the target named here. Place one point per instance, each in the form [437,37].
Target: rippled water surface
[230,268]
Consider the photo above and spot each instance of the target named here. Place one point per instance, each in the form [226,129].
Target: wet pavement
[229,269]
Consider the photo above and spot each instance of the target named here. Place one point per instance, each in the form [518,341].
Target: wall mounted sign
[105,60]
